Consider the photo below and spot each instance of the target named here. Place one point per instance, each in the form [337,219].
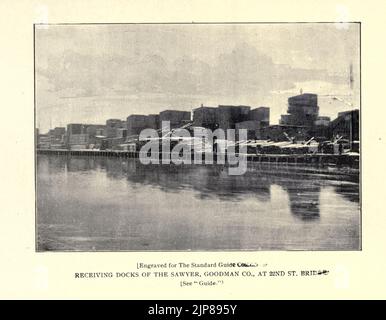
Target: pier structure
[351,160]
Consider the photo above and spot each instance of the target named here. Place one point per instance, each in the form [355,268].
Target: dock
[351,160]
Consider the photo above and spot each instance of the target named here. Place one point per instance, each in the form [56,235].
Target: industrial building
[322,121]
[78,141]
[95,133]
[112,143]
[75,128]
[59,132]
[346,125]
[177,118]
[76,137]
[112,126]
[43,141]
[253,128]
[227,115]
[152,121]
[260,114]
[301,123]
[57,137]
[121,133]
[232,117]
[80,136]
[303,110]
[135,124]
[205,117]
[95,129]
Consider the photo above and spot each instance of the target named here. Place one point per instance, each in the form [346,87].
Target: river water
[111,204]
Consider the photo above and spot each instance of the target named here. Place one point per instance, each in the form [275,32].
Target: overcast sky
[90,73]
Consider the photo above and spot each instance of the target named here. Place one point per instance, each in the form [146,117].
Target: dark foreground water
[110,204]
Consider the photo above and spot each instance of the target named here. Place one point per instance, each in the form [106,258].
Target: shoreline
[318,159]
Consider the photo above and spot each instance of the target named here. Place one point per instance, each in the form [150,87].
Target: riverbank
[350,160]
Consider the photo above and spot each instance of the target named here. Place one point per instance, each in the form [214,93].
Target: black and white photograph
[197,136]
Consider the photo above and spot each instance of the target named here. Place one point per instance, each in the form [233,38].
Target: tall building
[177,118]
[122,133]
[260,114]
[233,117]
[322,121]
[152,121]
[80,136]
[112,126]
[59,132]
[205,117]
[136,123]
[95,132]
[79,139]
[95,129]
[44,141]
[75,128]
[227,115]
[346,125]
[57,137]
[302,110]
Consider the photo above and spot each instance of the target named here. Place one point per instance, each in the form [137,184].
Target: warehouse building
[177,118]
[253,128]
[228,115]
[136,123]
[260,114]
[346,125]
[302,110]
[152,121]
[112,126]
[205,117]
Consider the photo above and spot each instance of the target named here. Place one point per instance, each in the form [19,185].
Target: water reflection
[304,200]
[213,181]
[260,198]
[303,190]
